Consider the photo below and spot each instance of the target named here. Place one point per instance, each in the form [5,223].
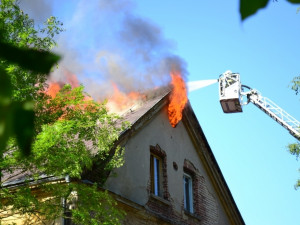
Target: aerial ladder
[231,93]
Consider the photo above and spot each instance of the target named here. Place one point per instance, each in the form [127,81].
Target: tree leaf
[23,125]
[37,61]
[5,87]
[296,85]
[294,1]
[5,115]
[250,7]
[5,127]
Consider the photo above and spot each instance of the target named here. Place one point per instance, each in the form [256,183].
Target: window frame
[188,200]
[156,175]
[156,151]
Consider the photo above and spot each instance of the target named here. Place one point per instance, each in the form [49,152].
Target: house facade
[170,175]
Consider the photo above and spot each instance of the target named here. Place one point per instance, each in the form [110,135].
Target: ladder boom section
[276,113]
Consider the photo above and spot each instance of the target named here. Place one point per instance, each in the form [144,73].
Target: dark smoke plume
[107,42]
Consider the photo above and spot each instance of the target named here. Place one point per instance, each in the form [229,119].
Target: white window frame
[157,175]
[188,193]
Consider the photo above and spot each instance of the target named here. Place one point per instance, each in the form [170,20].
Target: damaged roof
[132,115]
[135,112]
[141,113]
[139,117]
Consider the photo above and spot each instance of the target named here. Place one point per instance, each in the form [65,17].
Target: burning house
[170,175]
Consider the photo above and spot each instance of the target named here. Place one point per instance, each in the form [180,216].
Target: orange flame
[53,89]
[178,99]
[120,101]
[55,86]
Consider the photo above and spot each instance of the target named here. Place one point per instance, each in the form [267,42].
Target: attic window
[156,175]
[158,172]
[191,187]
[188,193]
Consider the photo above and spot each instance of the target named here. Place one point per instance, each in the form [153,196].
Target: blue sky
[210,38]
[249,147]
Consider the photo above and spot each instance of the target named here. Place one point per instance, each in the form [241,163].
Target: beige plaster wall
[132,179]
[24,220]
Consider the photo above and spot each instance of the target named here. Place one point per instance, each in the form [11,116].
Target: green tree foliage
[296,84]
[68,135]
[76,132]
[294,148]
[24,62]
[248,8]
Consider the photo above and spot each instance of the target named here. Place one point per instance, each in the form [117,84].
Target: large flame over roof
[130,51]
[117,101]
[55,85]
[178,98]
[120,101]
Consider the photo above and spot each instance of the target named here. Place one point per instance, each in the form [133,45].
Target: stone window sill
[193,215]
[160,199]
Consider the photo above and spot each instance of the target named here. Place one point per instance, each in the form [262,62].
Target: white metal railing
[277,113]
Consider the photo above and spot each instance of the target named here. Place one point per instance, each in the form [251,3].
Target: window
[155,169]
[188,193]
[158,173]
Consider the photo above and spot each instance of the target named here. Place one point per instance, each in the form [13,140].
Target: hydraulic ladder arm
[231,98]
[274,111]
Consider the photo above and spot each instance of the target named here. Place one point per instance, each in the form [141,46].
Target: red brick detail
[162,208]
[204,204]
[156,150]
[165,212]
[189,168]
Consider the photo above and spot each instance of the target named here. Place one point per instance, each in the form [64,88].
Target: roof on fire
[141,113]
